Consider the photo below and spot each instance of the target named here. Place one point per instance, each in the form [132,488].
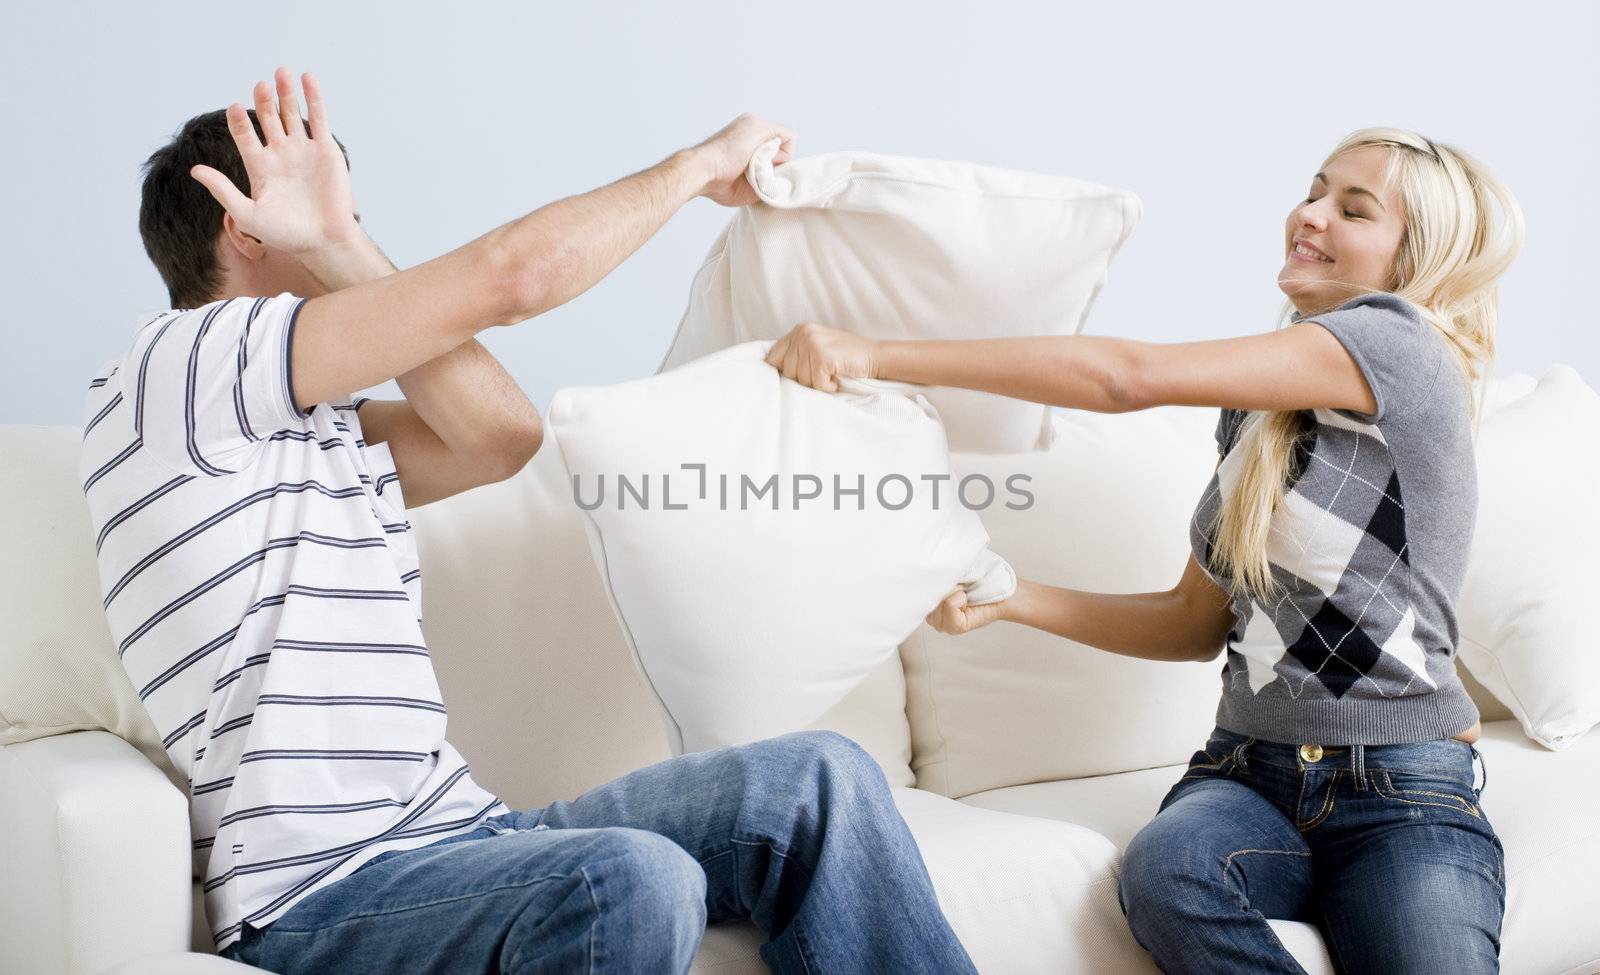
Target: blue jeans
[798,833]
[1384,847]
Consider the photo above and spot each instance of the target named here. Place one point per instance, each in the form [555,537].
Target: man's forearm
[574,242]
[1075,371]
[464,396]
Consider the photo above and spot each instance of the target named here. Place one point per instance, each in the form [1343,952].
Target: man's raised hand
[728,153]
[299,198]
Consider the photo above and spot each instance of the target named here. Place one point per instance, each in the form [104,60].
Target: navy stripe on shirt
[102,414]
[354,700]
[138,506]
[144,366]
[111,464]
[188,394]
[326,647]
[240,413]
[321,808]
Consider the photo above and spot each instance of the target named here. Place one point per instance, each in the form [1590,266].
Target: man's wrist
[695,168]
[355,260]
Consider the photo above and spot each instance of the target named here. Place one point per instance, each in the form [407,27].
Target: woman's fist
[955,616]
[818,356]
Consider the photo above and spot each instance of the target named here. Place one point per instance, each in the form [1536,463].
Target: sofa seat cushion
[1023,893]
[1541,803]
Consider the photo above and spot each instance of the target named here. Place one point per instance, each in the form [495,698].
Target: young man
[262,584]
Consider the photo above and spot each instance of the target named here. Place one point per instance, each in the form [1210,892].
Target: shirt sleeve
[212,384]
[1225,423]
[1397,352]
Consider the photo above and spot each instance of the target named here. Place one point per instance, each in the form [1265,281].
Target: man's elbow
[521,284]
[517,447]
[508,452]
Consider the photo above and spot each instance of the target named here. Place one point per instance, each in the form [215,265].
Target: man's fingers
[223,190]
[288,105]
[785,137]
[244,134]
[315,111]
[267,114]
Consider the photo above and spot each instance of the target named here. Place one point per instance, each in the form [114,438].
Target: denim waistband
[1443,755]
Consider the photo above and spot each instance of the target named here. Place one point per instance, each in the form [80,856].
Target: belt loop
[1358,766]
[1478,792]
[1238,754]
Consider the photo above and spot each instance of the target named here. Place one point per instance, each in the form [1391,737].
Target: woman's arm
[1081,372]
[1188,622]
[1150,625]
[1300,367]
[1076,371]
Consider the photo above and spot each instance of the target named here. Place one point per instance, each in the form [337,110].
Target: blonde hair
[1451,256]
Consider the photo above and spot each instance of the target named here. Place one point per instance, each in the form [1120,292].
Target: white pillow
[59,670]
[1533,572]
[747,621]
[1007,704]
[892,247]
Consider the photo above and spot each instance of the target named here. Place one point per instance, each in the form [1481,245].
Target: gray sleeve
[1225,422]
[1398,352]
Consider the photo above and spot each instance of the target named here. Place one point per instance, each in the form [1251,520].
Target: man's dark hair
[178,218]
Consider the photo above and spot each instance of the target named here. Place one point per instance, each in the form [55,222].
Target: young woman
[1329,547]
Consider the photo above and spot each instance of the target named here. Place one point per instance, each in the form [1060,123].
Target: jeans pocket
[1209,762]
[1419,788]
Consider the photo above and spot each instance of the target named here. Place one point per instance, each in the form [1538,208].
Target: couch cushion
[59,670]
[1542,806]
[1008,704]
[895,247]
[1525,603]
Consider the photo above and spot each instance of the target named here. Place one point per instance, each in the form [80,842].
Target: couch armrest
[95,845]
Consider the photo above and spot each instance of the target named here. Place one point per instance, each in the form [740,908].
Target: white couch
[1065,750]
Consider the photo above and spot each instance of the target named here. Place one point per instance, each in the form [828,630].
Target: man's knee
[641,895]
[824,754]
[634,870]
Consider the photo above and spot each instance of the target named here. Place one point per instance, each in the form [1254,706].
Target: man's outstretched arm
[381,329]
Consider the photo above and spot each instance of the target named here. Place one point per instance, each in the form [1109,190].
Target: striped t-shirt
[262,586]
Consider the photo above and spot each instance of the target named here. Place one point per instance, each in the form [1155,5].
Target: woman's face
[1353,223]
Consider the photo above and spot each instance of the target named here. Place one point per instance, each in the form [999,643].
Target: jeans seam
[416,907]
[1327,805]
[1399,795]
[594,904]
[1227,863]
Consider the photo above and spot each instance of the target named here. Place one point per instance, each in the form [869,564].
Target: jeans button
[1311,753]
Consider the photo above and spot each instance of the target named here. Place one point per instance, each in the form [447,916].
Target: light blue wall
[460,117]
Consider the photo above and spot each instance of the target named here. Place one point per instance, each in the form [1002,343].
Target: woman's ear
[248,247]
